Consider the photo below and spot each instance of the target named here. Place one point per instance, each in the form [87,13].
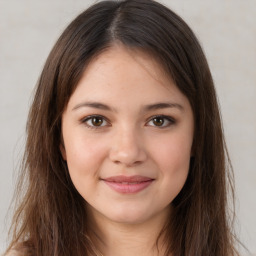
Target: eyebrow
[93,105]
[150,107]
[161,105]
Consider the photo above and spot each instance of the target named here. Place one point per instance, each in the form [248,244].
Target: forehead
[122,58]
[121,74]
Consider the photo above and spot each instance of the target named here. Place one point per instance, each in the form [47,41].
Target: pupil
[158,121]
[97,121]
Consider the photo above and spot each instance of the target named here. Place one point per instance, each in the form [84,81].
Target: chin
[129,215]
[129,219]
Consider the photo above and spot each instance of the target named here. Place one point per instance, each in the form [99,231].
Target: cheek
[84,159]
[173,160]
[175,165]
[173,153]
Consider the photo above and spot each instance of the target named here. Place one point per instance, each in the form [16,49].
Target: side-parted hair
[50,218]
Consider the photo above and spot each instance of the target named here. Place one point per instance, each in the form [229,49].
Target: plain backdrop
[227,32]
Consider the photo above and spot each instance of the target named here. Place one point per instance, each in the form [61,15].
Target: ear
[63,152]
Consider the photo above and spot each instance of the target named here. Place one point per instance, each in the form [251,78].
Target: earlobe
[63,152]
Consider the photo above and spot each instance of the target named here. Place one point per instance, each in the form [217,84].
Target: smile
[128,184]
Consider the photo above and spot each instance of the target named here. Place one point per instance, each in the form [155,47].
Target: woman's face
[128,133]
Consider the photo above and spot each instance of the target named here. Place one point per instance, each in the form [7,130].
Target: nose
[127,148]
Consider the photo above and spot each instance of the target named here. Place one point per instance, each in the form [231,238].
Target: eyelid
[171,121]
[87,118]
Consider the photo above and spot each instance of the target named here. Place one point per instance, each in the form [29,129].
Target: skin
[127,140]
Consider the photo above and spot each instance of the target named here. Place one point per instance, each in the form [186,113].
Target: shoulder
[13,253]
[21,249]
[18,252]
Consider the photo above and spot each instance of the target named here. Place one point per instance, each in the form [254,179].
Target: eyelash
[90,118]
[170,121]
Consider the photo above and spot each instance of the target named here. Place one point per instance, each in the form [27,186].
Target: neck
[125,239]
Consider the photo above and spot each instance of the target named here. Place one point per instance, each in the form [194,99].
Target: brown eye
[158,121]
[97,121]
[161,121]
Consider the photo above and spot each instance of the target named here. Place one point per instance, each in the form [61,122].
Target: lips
[128,184]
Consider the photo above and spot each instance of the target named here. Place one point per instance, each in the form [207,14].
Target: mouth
[128,184]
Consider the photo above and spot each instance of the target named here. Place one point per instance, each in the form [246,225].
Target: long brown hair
[50,218]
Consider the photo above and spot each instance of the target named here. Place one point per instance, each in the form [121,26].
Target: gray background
[227,31]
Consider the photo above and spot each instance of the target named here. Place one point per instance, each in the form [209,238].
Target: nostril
[126,163]
[127,150]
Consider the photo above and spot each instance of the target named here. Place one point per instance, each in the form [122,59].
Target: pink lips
[128,184]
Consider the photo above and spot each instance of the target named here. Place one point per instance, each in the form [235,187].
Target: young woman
[125,152]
